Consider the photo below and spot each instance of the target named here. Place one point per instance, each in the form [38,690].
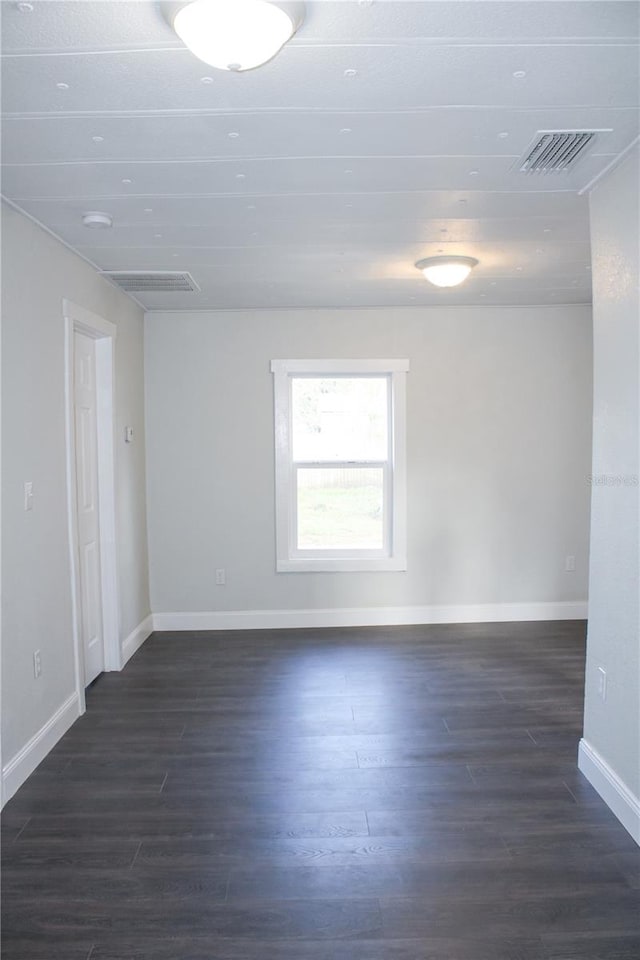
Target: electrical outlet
[37,664]
[602,683]
[221,577]
[570,564]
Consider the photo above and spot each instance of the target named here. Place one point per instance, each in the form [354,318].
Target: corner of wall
[617,796]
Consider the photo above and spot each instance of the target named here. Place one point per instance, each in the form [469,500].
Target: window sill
[341,565]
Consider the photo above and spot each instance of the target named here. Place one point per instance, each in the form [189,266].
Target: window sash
[387,509]
[380,375]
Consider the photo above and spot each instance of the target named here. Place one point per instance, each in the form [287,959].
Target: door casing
[77,318]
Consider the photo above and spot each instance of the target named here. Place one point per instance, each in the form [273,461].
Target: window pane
[340,508]
[343,418]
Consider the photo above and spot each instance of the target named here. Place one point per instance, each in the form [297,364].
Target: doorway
[91,493]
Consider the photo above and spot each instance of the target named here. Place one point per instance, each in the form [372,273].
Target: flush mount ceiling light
[446,271]
[96,220]
[235,34]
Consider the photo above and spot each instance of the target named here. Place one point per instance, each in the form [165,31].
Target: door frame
[77,318]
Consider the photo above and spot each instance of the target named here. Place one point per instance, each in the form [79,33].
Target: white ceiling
[298,184]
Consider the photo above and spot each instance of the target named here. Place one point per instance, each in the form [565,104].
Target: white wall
[38,272]
[610,752]
[499,447]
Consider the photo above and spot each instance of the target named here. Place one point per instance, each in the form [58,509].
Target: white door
[88,520]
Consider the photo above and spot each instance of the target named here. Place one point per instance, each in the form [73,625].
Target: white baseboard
[617,796]
[16,771]
[368,616]
[136,638]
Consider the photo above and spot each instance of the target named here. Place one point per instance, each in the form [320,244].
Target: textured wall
[612,726]
[37,273]
[498,450]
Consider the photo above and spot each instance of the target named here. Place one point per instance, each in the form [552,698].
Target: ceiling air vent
[555,150]
[159,281]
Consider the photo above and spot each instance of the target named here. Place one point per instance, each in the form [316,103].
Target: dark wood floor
[373,794]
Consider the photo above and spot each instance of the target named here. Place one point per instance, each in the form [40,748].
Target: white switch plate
[128,434]
[602,683]
[28,495]
[570,564]
[221,578]
[37,664]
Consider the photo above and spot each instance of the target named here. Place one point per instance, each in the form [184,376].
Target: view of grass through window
[341,509]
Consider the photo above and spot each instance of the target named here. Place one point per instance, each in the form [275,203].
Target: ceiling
[384,132]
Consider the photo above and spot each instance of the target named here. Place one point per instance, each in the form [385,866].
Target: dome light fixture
[235,34]
[97,220]
[446,271]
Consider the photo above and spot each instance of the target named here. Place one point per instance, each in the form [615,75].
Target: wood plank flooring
[404,793]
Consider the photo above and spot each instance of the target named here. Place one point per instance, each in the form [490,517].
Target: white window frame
[394,554]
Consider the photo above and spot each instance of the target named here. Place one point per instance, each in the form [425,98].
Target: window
[340,464]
